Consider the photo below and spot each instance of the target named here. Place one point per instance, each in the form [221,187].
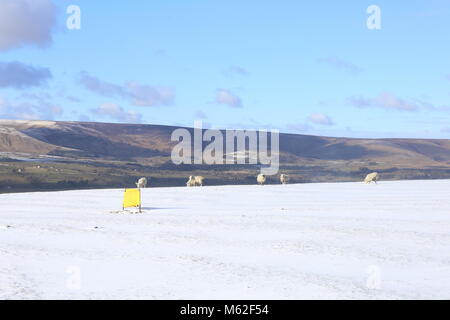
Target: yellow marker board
[132,199]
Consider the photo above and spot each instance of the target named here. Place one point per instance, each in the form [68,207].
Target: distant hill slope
[121,141]
[104,155]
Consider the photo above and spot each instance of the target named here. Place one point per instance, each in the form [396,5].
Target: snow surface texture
[311,241]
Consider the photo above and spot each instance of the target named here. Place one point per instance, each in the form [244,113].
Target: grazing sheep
[191,182]
[373,177]
[195,181]
[284,179]
[261,179]
[199,180]
[142,183]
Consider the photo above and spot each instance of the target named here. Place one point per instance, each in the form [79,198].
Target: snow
[310,241]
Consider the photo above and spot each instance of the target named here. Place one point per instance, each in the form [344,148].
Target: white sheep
[373,177]
[284,179]
[261,179]
[191,182]
[195,181]
[142,183]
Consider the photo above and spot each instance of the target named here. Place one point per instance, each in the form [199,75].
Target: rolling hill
[101,154]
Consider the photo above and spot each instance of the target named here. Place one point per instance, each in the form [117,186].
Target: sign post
[132,199]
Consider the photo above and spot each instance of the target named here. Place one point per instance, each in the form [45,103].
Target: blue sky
[301,67]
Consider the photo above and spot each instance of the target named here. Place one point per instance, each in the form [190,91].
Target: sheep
[373,177]
[191,182]
[142,183]
[199,180]
[195,181]
[261,179]
[284,179]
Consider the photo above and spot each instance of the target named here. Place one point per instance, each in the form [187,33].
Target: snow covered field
[312,241]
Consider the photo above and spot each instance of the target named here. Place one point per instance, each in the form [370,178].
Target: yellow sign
[132,198]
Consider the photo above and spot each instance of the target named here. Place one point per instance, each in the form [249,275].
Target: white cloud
[36,109]
[228,98]
[389,101]
[18,75]
[114,111]
[386,101]
[320,118]
[148,96]
[135,93]
[236,71]
[26,22]
[100,87]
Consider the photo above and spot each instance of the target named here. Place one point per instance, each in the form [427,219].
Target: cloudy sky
[309,67]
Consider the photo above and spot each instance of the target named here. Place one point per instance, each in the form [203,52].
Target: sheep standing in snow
[191,182]
[373,177]
[284,179]
[261,179]
[142,183]
[199,180]
[195,181]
